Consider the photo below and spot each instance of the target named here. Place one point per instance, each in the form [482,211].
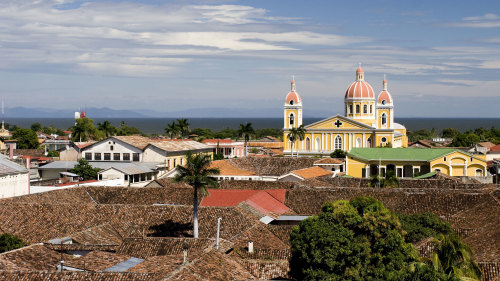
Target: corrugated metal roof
[182,145]
[416,154]
[124,266]
[8,167]
[129,168]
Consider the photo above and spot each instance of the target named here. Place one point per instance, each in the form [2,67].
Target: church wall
[379,119]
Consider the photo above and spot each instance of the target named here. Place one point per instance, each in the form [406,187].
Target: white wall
[118,147]
[152,154]
[14,185]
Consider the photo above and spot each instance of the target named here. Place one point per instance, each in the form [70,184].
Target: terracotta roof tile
[78,276]
[34,257]
[227,169]
[136,141]
[312,172]
[96,261]
[329,160]
[163,246]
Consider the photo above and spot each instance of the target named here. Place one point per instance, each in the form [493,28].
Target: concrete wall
[69,154]
[14,185]
[117,147]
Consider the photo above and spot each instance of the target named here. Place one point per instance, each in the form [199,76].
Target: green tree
[292,137]
[245,131]
[10,242]
[197,173]
[85,170]
[338,153]
[172,130]
[106,127]
[26,138]
[126,130]
[450,133]
[53,153]
[301,135]
[183,126]
[421,226]
[36,127]
[454,258]
[83,129]
[358,239]
[465,140]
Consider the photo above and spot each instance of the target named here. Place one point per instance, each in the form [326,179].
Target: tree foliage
[421,226]
[26,138]
[246,131]
[197,173]
[338,153]
[358,239]
[10,242]
[85,170]
[83,130]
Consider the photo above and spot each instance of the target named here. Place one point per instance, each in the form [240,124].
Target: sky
[441,58]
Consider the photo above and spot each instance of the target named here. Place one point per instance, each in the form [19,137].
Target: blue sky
[441,58]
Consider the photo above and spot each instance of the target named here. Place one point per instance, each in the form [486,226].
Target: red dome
[384,95]
[360,90]
[293,96]
[359,70]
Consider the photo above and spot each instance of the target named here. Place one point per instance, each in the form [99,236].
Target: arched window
[292,119]
[358,142]
[318,144]
[479,173]
[338,142]
[384,119]
[357,108]
[369,142]
[350,108]
[291,102]
[308,144]
[365,108]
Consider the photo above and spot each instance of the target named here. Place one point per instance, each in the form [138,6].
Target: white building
[14,179]
[226,147]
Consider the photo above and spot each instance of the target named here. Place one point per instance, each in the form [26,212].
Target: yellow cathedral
[368,122]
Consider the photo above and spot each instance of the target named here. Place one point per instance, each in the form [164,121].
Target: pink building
[227,147]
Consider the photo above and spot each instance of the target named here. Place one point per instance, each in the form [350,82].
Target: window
[126,156]
[384,119]
[371,108]
[308,144]
[471,159]
[384,139]
[338,142]
[291,102]
[181,161]
[357,108]
[97,156]
[116,156]
[135,156]
[107,156]
[365,108]
[175,162]
[350,108]
[358,142]
[369,142]
[444,158]
[88,156]
[126,177]
[437,170]
[168,164]
[111,148]
[291,119]
[384,102]
[479,173]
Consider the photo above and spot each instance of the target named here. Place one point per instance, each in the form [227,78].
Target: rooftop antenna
[359,64]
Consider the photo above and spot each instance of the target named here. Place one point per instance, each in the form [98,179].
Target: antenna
[359,64]
[384,77]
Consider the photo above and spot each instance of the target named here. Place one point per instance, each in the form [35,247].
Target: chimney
[185,256]
[11,150]
[250,247]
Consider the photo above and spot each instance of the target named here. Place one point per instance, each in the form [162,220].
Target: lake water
[157,125]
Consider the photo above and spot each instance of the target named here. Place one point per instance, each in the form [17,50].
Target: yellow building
[368,122]
[407,162]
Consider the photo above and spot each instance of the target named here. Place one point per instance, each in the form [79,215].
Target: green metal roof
[395,154]
[425,176]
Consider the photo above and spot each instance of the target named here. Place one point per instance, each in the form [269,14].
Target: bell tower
[292,108]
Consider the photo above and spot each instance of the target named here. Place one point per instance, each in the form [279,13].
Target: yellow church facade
[368,122]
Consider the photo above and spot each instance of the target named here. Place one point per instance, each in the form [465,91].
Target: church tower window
[371,108]
[338,142]
[365,108]
[291,119]
[384,119]
[350,108]
[291,102]
[357,108]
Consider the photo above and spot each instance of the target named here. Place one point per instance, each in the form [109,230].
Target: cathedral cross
[338,123]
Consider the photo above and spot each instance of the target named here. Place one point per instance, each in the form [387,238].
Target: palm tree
[245,131]
[292,136]
[301,135]
[83,129]
[172,129]
[183,126]
[106,128]
[454,258]
[197,173]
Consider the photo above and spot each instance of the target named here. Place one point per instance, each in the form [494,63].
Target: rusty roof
[227,169]
[312,172]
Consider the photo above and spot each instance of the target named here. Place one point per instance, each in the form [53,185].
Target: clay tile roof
[136,141]
[293,96]
[486,144]
[265,201]
[227,169]
[78,276]
[34,257]
[96,261]
[359,89]
[329,160]
[179,145]
[81,145]
[312,172]
[161,246]
[384,95]
[495,148]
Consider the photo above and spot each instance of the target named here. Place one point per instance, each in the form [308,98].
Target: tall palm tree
[301,135]
[246,131]
[183,126]
[292,136]
[106,128]
[454,258]
[197,173]
[84,128]
[172,129]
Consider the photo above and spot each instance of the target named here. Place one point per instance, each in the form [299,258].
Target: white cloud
[485,21]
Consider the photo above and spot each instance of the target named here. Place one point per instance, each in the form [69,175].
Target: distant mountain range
[105,112]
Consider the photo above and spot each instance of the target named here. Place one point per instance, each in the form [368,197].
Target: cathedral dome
[360,89]
[293,98]
[384,97]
